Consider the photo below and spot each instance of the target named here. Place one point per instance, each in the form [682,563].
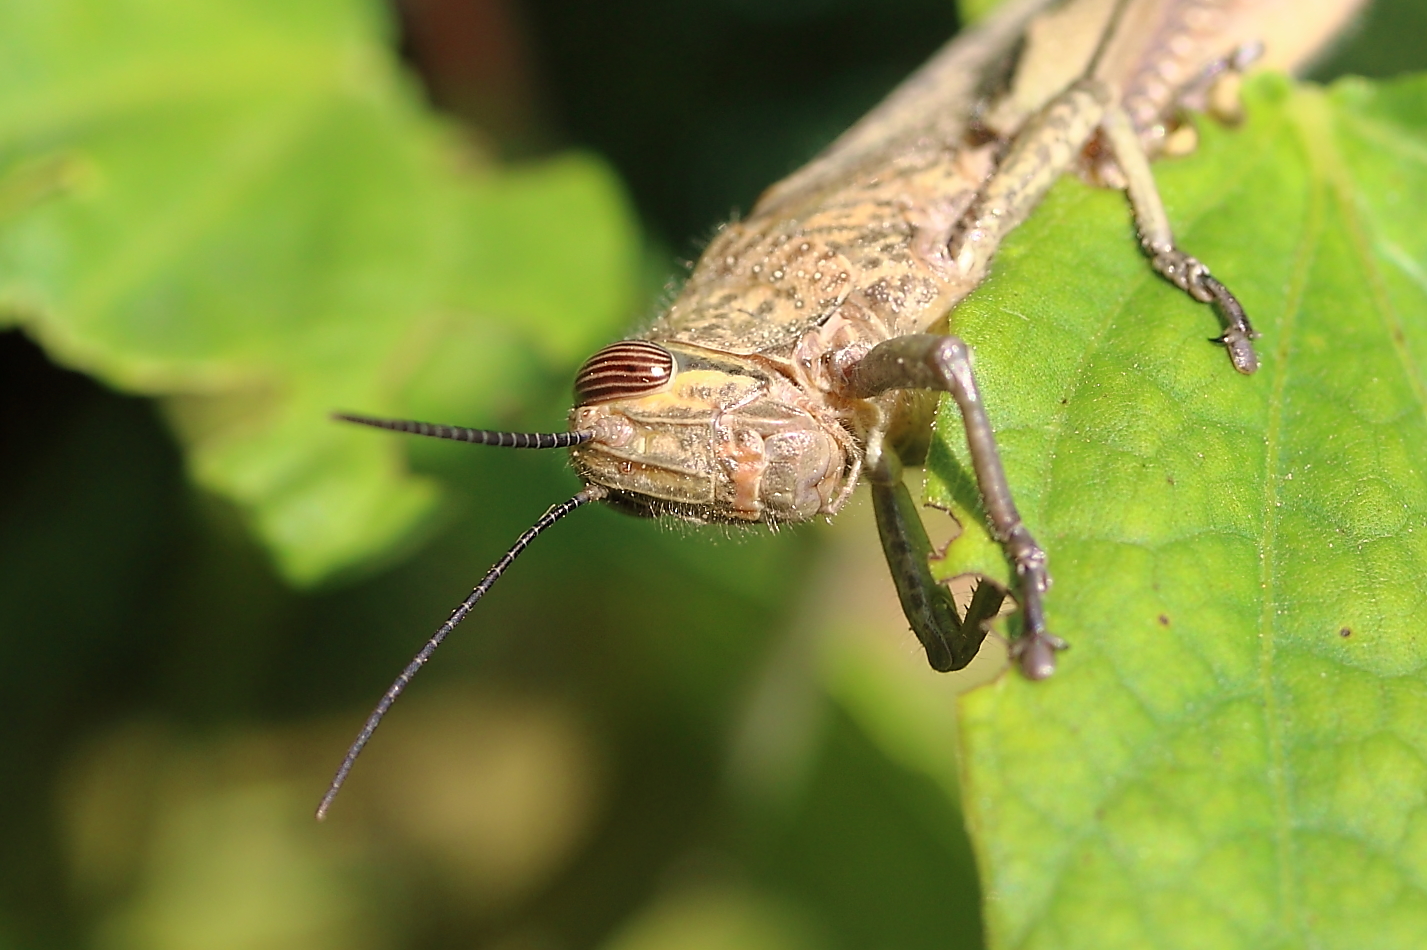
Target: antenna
[591,493]
[507,440]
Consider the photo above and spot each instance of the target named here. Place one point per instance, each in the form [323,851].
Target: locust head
[704,436]
[657,430]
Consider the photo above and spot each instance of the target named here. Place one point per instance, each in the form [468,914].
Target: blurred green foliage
[266,166]
[647,737]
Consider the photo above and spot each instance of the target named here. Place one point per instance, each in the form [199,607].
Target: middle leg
[1051,144]
[1157,239]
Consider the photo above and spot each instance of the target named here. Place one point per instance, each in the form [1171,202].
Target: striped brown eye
[623,371]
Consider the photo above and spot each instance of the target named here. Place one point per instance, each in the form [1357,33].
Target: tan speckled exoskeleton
[799,356]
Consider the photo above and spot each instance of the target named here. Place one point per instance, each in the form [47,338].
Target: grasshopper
[806,348]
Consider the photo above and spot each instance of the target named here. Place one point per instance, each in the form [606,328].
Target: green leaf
[1234,750]
[244,206]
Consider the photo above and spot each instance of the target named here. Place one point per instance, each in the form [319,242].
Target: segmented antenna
[507,440]
[592,493]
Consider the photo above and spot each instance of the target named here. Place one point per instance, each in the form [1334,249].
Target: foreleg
[942,363]
[951,641]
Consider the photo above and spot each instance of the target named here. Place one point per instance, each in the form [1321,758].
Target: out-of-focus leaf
[1234,751]
[244,206]
[973,11]
[715,919]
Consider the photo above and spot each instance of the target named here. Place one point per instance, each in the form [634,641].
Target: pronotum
[798,358]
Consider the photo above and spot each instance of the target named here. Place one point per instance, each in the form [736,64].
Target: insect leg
[1182,270]
[1216,90]
[951,641]
[1046,148]
[942,363]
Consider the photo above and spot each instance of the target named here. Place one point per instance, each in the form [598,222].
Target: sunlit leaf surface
[244,205]
[1234,751]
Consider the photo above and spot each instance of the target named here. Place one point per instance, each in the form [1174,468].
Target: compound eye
[623,371]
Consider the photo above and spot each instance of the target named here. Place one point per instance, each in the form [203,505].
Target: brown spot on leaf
[1163,620]
[1345,632]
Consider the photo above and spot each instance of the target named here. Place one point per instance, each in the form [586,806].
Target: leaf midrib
[1277,774]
